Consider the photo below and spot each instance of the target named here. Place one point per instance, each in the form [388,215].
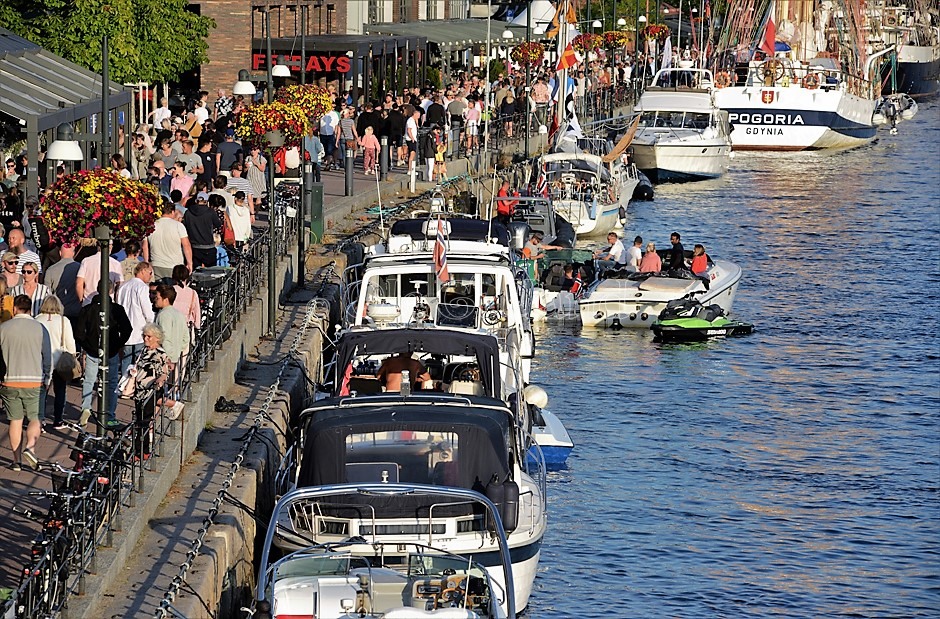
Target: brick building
[240,34]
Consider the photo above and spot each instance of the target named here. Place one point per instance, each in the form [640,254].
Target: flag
[667,53]
[440,255]
[541,184]
[571,17]
[770,33]
[569,58]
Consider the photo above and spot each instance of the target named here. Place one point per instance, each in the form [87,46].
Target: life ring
[811,81]
[723,80]
[891,20]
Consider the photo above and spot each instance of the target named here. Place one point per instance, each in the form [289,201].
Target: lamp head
[642,19]
[65,147]
[507,33]
[244,86]
[280,70]
[596,24]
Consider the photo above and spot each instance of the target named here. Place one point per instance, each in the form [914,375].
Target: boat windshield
[302,564]
[424,565]
[675,120]
[402,456]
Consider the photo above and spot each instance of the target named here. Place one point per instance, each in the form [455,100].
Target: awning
[37,84]
[455,34]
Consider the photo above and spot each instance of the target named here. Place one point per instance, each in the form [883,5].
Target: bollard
[383,159]
[350,154]
[315,208]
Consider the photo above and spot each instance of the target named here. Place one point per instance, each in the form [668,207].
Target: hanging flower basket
[256,121]
[80,202]
[585,43]
[314,100]
[528,54]
[657,32]
[614,39]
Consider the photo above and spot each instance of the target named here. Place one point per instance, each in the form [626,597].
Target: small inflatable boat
[687,320]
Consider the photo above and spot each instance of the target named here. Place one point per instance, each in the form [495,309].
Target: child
[370,144]
[440,167]
[221,254]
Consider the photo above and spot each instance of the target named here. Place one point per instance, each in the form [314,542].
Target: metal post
[302,221]
[528,79]
[303,44]
[272,250]
[104,154]
[103,235]
[350,154]
[267,35]
[316,212]
[383,159]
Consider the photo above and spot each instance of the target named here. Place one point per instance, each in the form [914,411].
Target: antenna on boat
[378,190]
[489,226]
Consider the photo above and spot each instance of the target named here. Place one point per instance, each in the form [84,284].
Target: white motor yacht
[682,135]
[423,439]
[587,192]
[634,300]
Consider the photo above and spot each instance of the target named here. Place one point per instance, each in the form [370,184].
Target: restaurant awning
[40,90]
[454,34]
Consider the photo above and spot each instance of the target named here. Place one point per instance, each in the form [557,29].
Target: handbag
[128,384]
[228,232]
[66,367]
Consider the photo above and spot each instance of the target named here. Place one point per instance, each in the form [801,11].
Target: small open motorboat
[687,320]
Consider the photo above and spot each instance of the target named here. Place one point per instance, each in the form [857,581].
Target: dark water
[792,473]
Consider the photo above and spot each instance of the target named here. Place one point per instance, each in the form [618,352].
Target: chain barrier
[315,309]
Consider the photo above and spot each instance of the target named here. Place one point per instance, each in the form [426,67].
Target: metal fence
[87,508]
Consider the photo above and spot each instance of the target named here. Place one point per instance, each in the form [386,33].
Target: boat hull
[553,439]
[793,118]
[918,72]
[687,161]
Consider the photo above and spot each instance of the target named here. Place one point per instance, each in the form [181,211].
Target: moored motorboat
[588,193]
[446,440]
[635,300]
[375,574]
[687,320]
[682,135]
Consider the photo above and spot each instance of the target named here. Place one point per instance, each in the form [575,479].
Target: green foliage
[434,76]
[148,40]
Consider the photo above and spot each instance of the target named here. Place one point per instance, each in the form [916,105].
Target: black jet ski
[687,320]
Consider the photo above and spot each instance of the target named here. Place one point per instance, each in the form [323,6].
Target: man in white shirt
[89,276]
[134,297]
[169,245]
[635,254]
[612,257]
[201,112]
[193,161]
[411,135]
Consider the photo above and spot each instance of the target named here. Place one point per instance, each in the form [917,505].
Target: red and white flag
[440,255]
[769,42]
[569,58]
[541,184]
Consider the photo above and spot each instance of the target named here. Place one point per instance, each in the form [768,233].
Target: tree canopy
[149,40]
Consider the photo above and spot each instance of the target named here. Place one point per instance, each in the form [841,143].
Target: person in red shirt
[699,260]
[504,206]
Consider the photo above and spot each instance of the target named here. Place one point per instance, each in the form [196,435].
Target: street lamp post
[528,79]
[275,140]
[103,236]
[267,35]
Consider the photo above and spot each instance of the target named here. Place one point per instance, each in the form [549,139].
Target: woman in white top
[239,216]
[32,288]
[62,340]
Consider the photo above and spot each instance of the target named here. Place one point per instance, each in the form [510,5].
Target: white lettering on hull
[766,119]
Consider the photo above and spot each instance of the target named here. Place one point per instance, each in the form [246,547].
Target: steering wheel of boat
[772,70]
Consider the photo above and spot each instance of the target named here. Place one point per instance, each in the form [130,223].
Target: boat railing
[312,493]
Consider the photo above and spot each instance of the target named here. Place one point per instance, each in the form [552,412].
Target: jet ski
[687,320]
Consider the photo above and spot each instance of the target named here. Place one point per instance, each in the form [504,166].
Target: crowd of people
[50,331]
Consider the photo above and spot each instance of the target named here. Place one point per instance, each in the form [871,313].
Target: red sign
[342,64]
[768,96]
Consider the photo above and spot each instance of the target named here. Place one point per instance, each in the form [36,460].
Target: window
[432,10]
[373,15]
[404,10]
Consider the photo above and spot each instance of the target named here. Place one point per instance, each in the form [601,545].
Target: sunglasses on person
[9,262]
[25,272]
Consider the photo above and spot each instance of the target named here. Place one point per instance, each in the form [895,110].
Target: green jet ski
[687,320]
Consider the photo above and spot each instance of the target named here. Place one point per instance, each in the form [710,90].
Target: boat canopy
[578,162]
[461,443]
[461,229]
[670,101]
[431,341]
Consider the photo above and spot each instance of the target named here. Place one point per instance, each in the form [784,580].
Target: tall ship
[799,76]
[913,29]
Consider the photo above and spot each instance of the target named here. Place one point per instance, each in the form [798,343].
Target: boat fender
[510,510]
[622,214]
[496,492]
[535,395]
[811,81]
[723,80]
